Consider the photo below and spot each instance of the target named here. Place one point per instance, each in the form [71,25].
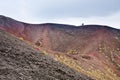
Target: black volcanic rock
[19,61]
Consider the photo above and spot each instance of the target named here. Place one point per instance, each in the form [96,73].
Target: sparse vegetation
[94,73]
[73,52]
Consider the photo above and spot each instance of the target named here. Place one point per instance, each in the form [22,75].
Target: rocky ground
[93,50]
[19,61]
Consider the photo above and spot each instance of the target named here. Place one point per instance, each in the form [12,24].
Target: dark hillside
[19,61]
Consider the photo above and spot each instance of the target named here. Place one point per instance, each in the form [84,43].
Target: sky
[73,12]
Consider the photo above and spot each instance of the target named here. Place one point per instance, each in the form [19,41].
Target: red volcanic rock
[98,46]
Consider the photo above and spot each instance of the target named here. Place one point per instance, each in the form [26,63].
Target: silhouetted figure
[82,24]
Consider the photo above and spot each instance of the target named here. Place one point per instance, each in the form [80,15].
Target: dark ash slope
[19,61]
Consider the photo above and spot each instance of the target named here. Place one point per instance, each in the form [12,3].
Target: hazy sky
[75,12]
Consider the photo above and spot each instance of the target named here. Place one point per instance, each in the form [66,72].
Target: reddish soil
[94,44]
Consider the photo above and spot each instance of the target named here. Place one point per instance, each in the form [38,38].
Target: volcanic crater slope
[91,49]
[19,61]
